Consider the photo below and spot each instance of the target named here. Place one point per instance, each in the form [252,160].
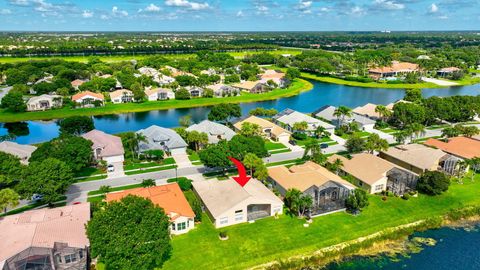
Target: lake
[321,94]
[455,249]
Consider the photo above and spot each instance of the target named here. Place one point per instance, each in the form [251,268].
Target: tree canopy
[433,183]
[76,125]
[132,233]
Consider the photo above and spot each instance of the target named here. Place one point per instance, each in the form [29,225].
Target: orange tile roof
[458,146]
[396,67]
[77,82]
[87,93]
[169,197]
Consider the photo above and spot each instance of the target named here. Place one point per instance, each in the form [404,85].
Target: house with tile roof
[288,117]
[88,98]
[121,96]
[76,83]
[375,174]
[169,197]
[227,203]
[272,75]
[160,138]
[220,90]
[252,87]
[22,151]
[417,158]
[328,190]
[47,238]
[44,102]
[461,147]
[395,69]
[327,113]
[105,146]
[215,131]
[269,129]
[154,94]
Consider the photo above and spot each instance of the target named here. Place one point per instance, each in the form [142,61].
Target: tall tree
[250,129]
[433,183]
[297,202]
[185,121]
[341,113]
[357,200]
[224,112]
[13,101]
[375,143]
[8,198]
[50,178]
[197,139]
[132,233]
[76,125]
[300,126]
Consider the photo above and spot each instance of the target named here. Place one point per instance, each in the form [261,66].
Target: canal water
[456,248]
[321,94]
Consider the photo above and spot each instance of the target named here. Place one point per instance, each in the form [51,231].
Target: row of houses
[120,95]
[396,69]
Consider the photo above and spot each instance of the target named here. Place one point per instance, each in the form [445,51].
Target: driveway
[439,82]
[182,160]
[117,171]
[4,91]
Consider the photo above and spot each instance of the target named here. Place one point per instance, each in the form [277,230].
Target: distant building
[22,151]
[394,70]
[252,87]
[327,113]
[44,102]
[77,83]
[121,96]
[444,72]
[215,131]
[269,129]
[47,238]
[88,98]
[288,117]
[195,91]
[272,75]
[227,203]
[461,147]
[154,94]
[220,90]
[169,197]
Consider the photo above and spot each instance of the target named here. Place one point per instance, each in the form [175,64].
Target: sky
[236,15]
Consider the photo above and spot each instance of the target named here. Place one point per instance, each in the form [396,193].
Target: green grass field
[155,169]
[119,58]
[295,88]
[141,165]
[270,239]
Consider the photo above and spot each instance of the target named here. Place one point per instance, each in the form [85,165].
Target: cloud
[240,14]
[116,12]
[19,2]
[5,11]
[304,6]
[433,8]
[387,5]
[87,14]
[356,11]
[152,8]
[187,4]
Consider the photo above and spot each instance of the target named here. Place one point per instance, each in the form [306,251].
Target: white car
[110,168]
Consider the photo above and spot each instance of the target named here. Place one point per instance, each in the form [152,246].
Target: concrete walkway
[182,160]
[439,82]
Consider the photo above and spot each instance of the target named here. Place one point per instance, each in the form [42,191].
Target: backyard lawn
[269,239]
[276,147]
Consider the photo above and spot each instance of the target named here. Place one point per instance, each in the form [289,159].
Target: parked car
[110,168]
[37,197]
[324,145]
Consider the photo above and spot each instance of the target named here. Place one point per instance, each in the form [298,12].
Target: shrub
[223,234]
[299,136]
[195,204]
[406,196]
[384,198]
[184,183]
[433,183]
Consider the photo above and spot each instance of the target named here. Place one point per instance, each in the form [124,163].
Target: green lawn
[296,87]
[293,161]
[359,133]
[98,192]
[195,159]
[269,145]
[441,126]
[389,130]
[270,239]
[90,171]
[141,165]
[92,178]
[147,170]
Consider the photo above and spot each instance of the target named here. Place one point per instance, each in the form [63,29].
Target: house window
[70,258]
[181,226]
[173,226]
[59,258]
[238,216]
[80,254]
[224,220]
[378,188]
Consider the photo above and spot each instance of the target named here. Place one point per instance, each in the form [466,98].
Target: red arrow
[242,178]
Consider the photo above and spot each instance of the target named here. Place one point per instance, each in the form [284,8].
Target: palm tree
[312,148]
[320,131]
[383,112]
[341,112]
[134,142]
[416,130]
[336,165]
